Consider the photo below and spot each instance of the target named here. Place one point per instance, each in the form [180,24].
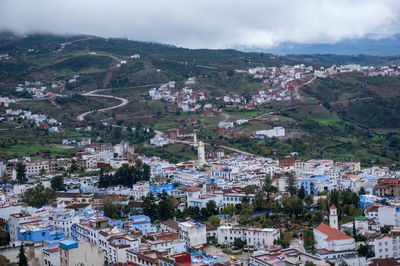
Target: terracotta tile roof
[193,189]
[332,233]
[384,262]
[372,208]
[171,224]
[332,207]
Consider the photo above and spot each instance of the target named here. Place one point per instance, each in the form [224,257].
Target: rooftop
[331,233]
[172,224]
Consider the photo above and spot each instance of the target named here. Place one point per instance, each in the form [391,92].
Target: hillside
[346,117]
[371,102]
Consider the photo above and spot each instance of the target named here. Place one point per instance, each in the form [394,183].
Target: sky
[207,23]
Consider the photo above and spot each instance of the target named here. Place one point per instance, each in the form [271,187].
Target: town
[110,205]
[280,84]
[163,133]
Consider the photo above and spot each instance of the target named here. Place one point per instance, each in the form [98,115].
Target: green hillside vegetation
[370,102]
[78,63]
[69,107]
[351,117]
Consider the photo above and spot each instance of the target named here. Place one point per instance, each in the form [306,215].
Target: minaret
[201,154]
[195,138]
[333,218]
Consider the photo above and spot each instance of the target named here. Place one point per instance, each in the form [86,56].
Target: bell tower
[333,218]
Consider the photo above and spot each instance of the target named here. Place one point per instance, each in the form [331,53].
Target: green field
[34,151]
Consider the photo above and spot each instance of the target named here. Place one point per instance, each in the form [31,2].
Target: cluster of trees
[126,175]
[115,211]
[296,208]
[57,183]
[73,98]
[161,209]
[39,196]
[21,172]
[173,157]
[200,214]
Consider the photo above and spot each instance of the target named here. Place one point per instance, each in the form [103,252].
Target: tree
[363,250]
[111,210]
[212,207]
[42,172]
[302,192]
[57,183]
[316,217]
[291,185]
[22,259]
[239,243]
[361,191]
[214,221]
[229,210]
[298,207]
[275,208]
[308,200]
[334,198]
[165,207]
[192,212]
[385,229]
[21,172]
[310,263]
[126,209]
[149,206]
[204,213]
[103,179]
[126,175]
[74,167]
[249,190]
[268,187]
[308,237]
[39,196]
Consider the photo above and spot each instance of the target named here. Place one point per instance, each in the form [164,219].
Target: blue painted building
[143,224]
[366,200]
[314,184]
[169,188]
[309,184]
[115,223]
[68,244]
[38,233]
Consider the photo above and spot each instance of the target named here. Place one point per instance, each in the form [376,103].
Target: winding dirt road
[124,102]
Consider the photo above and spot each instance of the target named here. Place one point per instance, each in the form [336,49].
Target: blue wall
[45,234]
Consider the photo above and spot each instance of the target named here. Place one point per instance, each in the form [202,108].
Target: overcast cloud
[206,23]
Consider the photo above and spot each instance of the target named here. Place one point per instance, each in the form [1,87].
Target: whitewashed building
[256,237]
[194,234]
[387,246]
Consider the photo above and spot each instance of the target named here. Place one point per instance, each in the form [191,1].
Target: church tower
[333,218]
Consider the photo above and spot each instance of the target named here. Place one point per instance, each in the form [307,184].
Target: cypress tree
[22,259]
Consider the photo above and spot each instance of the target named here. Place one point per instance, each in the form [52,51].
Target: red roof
[332,233]
[193,189]
[332,207]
